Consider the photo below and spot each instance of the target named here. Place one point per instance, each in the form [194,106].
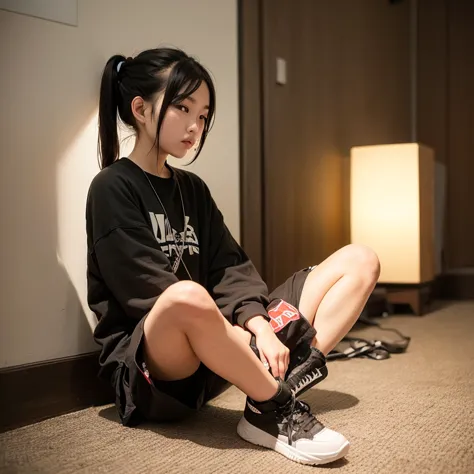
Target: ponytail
[108,144]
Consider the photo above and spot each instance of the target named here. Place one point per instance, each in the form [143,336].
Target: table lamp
[392,206]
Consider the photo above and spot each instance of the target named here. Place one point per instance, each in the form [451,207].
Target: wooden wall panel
[251,178]
[348,84]
[432,76]
[460,156]
[359,72]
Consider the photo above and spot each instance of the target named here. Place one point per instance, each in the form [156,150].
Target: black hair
[148,74]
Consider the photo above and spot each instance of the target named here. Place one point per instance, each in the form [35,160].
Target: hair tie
[119,65]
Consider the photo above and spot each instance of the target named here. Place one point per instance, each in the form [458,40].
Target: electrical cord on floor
[371,348]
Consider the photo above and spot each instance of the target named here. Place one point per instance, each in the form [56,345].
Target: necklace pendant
[178,239]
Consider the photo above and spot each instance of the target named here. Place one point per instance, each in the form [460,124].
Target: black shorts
[140,398]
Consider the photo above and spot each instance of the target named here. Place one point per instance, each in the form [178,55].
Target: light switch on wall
[281,71]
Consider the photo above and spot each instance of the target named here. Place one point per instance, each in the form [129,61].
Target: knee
[189,298]
[246,336]
[363,261]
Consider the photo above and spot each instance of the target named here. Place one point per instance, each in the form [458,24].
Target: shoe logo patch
[282,314]
[308,379]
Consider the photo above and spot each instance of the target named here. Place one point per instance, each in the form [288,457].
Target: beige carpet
[413,413]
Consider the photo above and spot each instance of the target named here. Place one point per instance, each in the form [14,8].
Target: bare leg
[336,291]
[185,327]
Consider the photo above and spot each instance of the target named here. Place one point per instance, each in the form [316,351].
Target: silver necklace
[176,236]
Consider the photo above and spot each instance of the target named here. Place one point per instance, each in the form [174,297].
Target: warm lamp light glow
[392,208]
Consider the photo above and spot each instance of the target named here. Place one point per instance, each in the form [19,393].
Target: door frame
[251,139]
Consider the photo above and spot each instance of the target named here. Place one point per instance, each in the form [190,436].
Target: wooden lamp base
[417,296]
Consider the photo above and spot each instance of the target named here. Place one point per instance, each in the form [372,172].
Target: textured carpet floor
[413,413]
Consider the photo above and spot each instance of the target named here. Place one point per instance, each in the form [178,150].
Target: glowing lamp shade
[392,209]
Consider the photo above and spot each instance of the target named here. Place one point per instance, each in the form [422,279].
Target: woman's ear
[139,107]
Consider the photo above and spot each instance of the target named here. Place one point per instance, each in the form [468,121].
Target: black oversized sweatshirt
[131,250]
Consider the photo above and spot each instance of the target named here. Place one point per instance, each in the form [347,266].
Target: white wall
[48,138]
[62,11]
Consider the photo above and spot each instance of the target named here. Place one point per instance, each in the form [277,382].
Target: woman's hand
[273,353]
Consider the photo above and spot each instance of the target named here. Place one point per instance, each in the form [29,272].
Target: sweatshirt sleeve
[127,255]
[237,288]
[134,269]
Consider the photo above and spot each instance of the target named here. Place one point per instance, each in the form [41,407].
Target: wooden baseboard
[455,285]
[34,392]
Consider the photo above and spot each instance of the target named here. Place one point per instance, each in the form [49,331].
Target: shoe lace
[298,418]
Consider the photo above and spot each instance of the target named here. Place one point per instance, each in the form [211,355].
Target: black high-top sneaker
[308,372]
[307,367]
[288,426]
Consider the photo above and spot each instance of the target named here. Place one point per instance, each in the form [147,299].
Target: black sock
[282,396]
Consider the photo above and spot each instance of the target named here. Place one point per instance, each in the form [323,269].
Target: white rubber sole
[254,435]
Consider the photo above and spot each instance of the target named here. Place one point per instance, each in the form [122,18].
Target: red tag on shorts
[282,314]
